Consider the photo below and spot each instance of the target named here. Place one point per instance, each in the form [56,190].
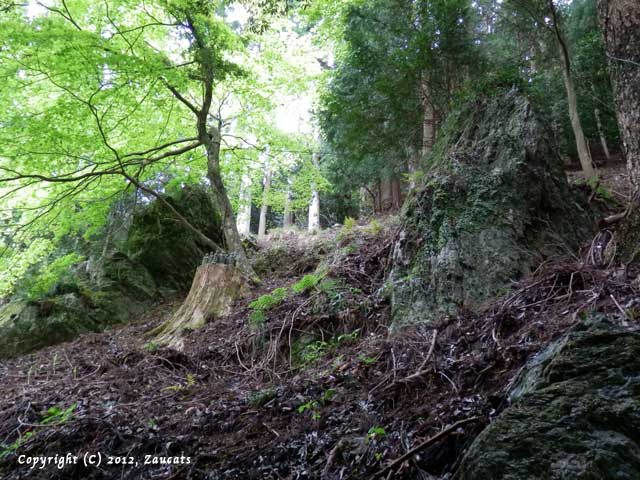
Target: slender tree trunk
[412,164]
[229,228]
[210,136]
[576,125]
[397,194]
[314,204]
[288,211]
[428,117]
[620,22]
[262,227]
[386,195]
[244,209]
[603,139]
[314,212]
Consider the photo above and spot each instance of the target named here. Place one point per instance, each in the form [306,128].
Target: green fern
[306,283]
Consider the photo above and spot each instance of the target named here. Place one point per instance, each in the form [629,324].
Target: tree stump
[214,289]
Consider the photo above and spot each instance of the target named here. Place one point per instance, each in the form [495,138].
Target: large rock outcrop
[170,252]
[142,256]
[493,200]
[576,413]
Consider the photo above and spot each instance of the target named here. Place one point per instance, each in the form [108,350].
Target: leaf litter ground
[321,389]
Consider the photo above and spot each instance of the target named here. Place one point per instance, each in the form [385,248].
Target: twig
[423,445]
[270,429]
[332,458]
[421,369]
[625,317]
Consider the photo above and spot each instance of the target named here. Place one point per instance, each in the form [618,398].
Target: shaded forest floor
[319,387]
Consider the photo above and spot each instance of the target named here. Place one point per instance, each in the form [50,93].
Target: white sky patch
[238,13]
[36,8]
[294,116]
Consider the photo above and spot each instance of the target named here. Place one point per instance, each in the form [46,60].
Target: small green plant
[257,318]
[152,424]
[327,396]
[312,406]
[349,224]
[6,450]
[314,351]
[190,381]
[374,227]
[151,347]
[376,432]
[270,300]
[261,397]
[594,184]
[368,360]
[415,178]
[348,337]
[306,283]
[57,415]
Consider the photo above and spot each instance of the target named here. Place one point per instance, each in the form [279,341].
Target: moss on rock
[493,200]
[576,413]
[158,255]
[169,251]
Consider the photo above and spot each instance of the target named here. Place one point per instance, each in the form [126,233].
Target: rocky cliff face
[493,199]
[575,413]
[144,258]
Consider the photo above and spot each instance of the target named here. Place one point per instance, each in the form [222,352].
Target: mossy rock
[495,202]
[578,416]
[132,278]
[28,326]
[169,251]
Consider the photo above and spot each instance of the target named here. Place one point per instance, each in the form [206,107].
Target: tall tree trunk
[314,211]
[603,139]
[620,22]
[210,136]
[244,208]
[386,195]
[229,228]
[266,186]
[581,143]
[428,117]
[397,194]
[412,164]
[314,204]
[288,211]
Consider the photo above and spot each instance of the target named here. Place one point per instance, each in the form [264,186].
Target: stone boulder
[140,257]
[168,250]
[494,198]
[575,413]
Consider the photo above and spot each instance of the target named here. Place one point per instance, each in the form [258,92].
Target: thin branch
[161,147]
[182,99]
[423,445]
[623,60]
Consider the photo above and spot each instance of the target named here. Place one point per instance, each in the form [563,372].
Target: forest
[320,239]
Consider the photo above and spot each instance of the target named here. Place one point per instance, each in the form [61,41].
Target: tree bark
[264,208]
[603,139]
[620,22]
[243,219]
[397,193]
[210,136]
[572,99]
[230,230]
[314,204]
[288,211]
